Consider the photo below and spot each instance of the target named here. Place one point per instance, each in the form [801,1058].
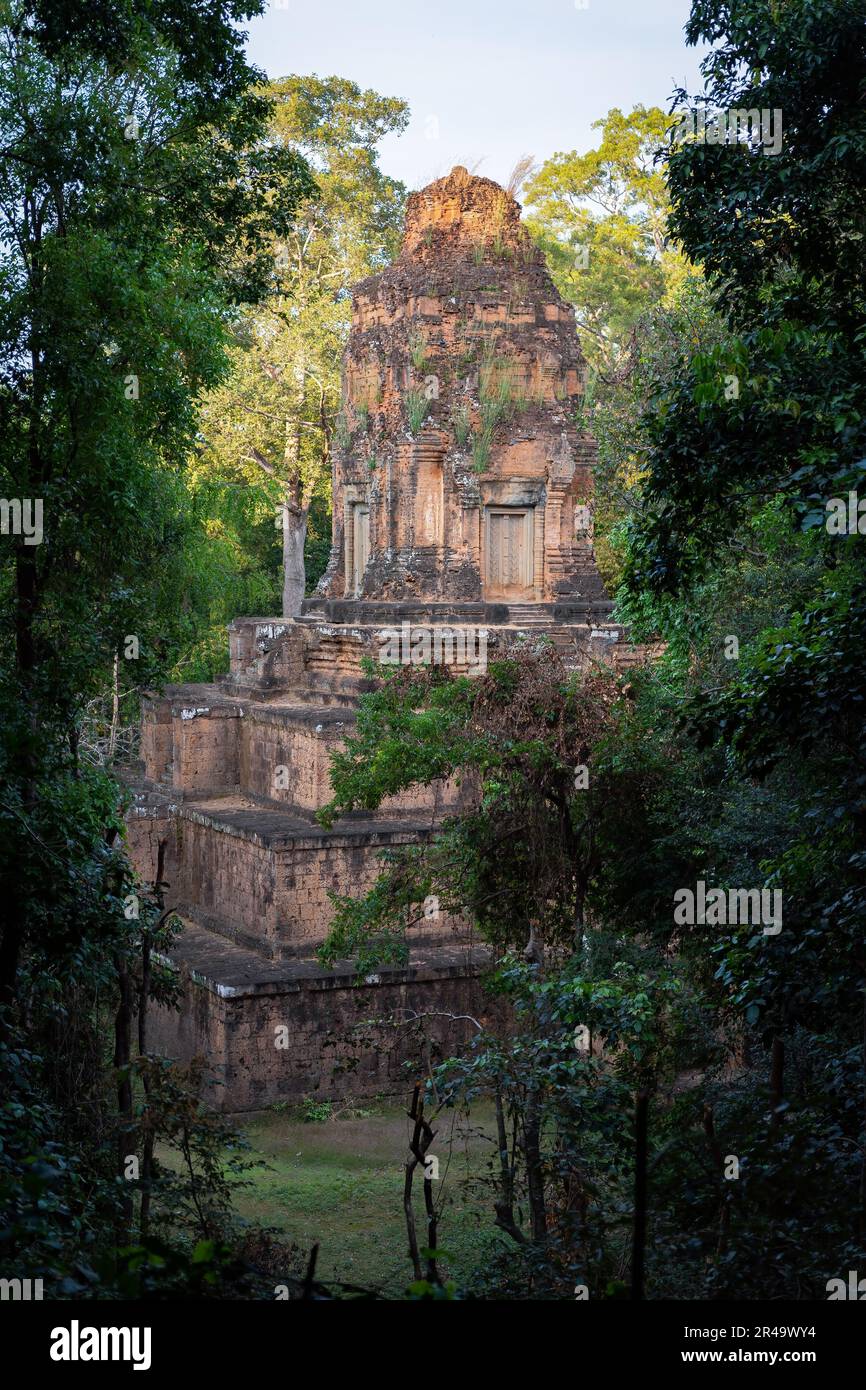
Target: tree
[778,409]
[743,446]
[275,414]
[553,795]
[601,219]
[521,861]
[120,208]
[138,200]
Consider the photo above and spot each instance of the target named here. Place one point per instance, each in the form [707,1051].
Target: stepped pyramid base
[250,871]
[280,1031]
[474,524]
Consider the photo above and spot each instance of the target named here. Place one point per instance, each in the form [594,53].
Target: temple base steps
[274,1032]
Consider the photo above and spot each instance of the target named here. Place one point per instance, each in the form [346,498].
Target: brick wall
[336,1050]
[271,893]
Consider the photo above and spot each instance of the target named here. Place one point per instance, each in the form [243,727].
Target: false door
[508,553]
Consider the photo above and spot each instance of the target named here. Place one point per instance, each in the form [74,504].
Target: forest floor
[339,1181]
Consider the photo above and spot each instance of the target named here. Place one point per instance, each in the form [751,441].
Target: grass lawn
[339,1181]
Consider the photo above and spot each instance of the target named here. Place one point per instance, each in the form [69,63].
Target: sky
[487,81]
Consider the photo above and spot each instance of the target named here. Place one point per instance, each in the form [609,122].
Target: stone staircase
[527,615]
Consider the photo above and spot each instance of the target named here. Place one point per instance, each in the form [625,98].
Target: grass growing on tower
[417,406]
[462,425]
[498,400]
[342,433]
[418,352]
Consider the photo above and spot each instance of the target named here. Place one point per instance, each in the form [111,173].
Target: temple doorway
[508,553]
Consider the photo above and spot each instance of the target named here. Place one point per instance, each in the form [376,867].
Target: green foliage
[517,734]
[396,744]
[793,314]
[266,430]
[41,1184]
[601,220]
[129,246]
[418,353]
[573,1107]
[691,1017]
[316,1111]
[617,411]
[417,409]
[744,415]
[462,425]
[127,288]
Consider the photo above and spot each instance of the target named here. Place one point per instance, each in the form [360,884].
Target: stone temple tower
[462,484]
[462,502]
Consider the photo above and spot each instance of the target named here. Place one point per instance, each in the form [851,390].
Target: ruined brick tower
[461,484]
[462,492]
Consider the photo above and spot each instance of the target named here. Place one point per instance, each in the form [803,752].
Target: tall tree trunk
[777,1081]
[294,539]
[719,1160]
[638,1244]
[504,1204]
[534,1167]
[422,1138]
[122,1063]
[143,1001]
[115,707]
[295,510]
[22,762]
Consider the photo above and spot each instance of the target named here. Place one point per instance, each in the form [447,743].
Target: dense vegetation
[737,761]
[140,199]
[177,243]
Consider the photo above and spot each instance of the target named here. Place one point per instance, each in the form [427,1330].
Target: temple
[462,517]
